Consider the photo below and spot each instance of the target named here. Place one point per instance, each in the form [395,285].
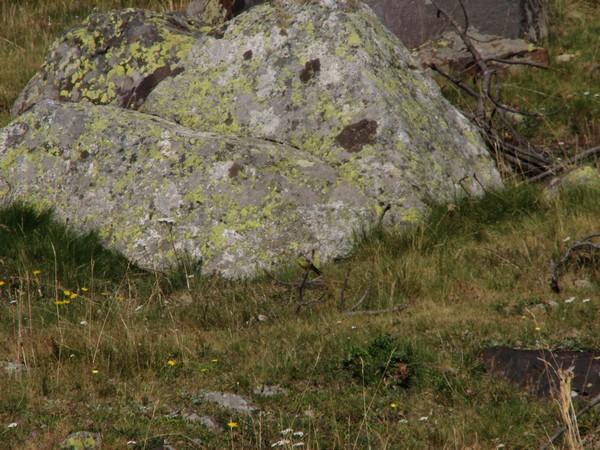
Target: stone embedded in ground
[230,401]
[268,391]
[13,368]
[82,440]
[537,370]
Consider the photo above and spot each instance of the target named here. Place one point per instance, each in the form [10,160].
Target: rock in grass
[287,129]
[82,440]
[268,391]
[230,401]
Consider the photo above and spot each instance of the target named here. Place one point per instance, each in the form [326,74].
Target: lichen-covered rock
[285,130]
[331,80]
[236,204]
[82,440]
[586,176]
[112,58]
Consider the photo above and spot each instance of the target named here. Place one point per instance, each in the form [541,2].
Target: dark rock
[417,21]
[538,369]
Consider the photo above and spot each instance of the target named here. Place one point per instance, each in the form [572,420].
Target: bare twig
[554,269]
[378,311]
[364,297]
[517,62]
[321,299]
[521,157]
[590,153]
[342,304]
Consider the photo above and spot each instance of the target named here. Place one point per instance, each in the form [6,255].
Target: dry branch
[521,157]
[555,267]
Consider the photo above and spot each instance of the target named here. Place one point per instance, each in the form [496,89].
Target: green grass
[474,274]
[351,381]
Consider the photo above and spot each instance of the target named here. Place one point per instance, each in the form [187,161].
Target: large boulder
[284,130]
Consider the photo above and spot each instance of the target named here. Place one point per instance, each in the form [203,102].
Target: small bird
[307,264]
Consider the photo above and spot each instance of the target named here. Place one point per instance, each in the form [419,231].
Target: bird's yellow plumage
[307,264]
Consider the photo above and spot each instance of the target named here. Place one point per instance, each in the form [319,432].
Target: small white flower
[586,300]
[131,442]
[281,443]
[353,327]
[299,434]
[423,419]
[287,431]
[567,239]
[570,300]
[13,425]
[83,323]
[586,93]
[403,421]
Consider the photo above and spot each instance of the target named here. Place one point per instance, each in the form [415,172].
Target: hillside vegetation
[90,342]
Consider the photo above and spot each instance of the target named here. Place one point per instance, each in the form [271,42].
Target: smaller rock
[450,52]
[230,401]
[207,421]
[13,368]
[565,58]
[267,391]
[82,440]
[583,176]
[583,284]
